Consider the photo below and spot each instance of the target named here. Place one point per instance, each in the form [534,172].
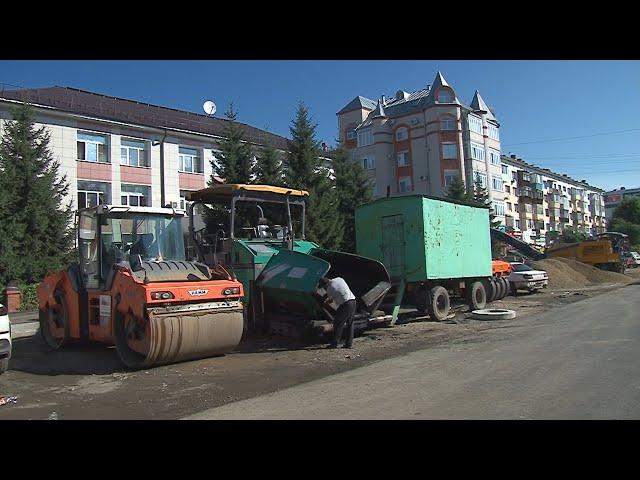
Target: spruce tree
[458,191]
[481,197]
[234,163]
[268,169]
[304,170]
[36,234]
[354,189]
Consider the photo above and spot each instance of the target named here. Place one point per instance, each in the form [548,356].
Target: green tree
[458,191]
[628,210]
[304,170]
[354,189]
[36,234]
[481,197]
[632,229]
[234,163]
[268,169]
[571,235]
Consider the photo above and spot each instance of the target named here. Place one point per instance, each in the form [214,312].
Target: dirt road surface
[89,382]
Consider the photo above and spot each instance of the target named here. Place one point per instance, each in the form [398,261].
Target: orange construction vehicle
[133,287]
[498,286]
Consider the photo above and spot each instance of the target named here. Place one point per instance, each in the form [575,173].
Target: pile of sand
[569,273]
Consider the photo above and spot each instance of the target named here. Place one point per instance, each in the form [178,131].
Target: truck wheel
[507,286]
[438,303]
[504,287]
[476,296]
[4,365]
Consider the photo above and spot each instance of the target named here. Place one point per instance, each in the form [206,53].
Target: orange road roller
[133,288]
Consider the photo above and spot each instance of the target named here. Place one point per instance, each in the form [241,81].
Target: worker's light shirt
[339,292]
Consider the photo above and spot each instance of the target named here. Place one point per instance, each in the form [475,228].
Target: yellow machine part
[593,252]
[171,337]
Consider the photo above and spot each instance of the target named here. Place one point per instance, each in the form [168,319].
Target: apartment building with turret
[419,142]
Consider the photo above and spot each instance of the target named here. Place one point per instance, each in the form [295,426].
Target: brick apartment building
[419,142]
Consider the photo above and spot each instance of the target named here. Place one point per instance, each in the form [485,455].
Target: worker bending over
[338,291]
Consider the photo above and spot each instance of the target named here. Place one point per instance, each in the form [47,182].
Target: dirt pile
[569,273]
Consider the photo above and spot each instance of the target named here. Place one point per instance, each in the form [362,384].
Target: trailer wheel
[438,303]
[503,288]
[476,296]
[492,291]
[507,286]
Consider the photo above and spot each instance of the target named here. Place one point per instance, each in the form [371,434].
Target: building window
[475,124]
[91,193]
[507,188]
[517,224]
[369,163]
[498,208]
[135,195]
[493,132]
[449,151]
[92,147]
[403,159]
[450,176]
[509,206]
[351,134]
[444,96]
[365,137]
[482,177]
[516,207]
[477,151]
[190,161]
[133,153]
[496,183]
[88,199]
[505,170]
[514,176]
[494,156]
[448,123]
[404,184]
[402,134]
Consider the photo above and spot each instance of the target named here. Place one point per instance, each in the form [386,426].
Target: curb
[24,329]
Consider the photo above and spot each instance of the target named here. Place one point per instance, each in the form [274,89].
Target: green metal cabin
[426,242]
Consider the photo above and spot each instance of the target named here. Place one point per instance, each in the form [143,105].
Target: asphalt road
[579,361]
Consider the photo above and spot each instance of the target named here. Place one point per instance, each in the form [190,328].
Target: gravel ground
[89,382]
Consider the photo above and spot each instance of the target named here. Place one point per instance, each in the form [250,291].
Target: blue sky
[535,101]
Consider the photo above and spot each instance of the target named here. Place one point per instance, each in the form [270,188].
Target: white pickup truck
[5,339]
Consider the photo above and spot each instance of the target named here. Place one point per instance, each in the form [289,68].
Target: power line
[573,138]
[586,155]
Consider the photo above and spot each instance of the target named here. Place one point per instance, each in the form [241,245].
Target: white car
[523,277]
[5,339]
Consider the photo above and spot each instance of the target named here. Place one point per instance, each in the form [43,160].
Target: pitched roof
[478,104]
[358,103]
[82,102]
[439,82]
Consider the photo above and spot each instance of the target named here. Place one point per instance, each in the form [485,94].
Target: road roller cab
[133,287]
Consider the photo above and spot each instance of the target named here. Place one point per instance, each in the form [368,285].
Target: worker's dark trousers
[344,318]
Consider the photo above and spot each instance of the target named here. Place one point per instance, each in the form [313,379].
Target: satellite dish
[209,107]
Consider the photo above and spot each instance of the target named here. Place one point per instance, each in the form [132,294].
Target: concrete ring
[493,314]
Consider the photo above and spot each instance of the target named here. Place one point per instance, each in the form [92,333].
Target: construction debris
[6,400]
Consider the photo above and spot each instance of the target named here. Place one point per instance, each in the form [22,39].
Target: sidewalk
[23,317]
[24,324]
